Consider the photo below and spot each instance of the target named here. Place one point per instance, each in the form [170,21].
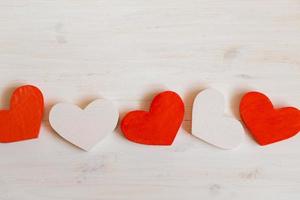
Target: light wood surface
[127,51]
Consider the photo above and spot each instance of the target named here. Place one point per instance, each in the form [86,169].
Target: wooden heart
[84,128]
[23,120]
[266,124]
[211,125]
[160,125]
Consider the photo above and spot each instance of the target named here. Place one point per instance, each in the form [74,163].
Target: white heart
[211,125]
[84,128]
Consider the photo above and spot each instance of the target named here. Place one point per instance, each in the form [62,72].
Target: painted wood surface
[128,51]
[84,127]
[211,125]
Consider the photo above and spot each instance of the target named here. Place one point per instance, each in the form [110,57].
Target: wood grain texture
[128,51]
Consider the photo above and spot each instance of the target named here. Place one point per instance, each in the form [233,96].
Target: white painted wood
[84,128]
[128,51]
[211,125]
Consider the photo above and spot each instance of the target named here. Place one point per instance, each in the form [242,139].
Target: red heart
[266,124]
[24,118]
[160,125]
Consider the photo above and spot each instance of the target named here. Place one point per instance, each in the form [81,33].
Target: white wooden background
[127,51]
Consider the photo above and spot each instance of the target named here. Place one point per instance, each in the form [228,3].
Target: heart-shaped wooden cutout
[84,128]
[266,124]
[23,120]
[160,125]
[211,125]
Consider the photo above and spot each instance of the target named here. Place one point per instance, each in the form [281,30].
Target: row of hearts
[159,126]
